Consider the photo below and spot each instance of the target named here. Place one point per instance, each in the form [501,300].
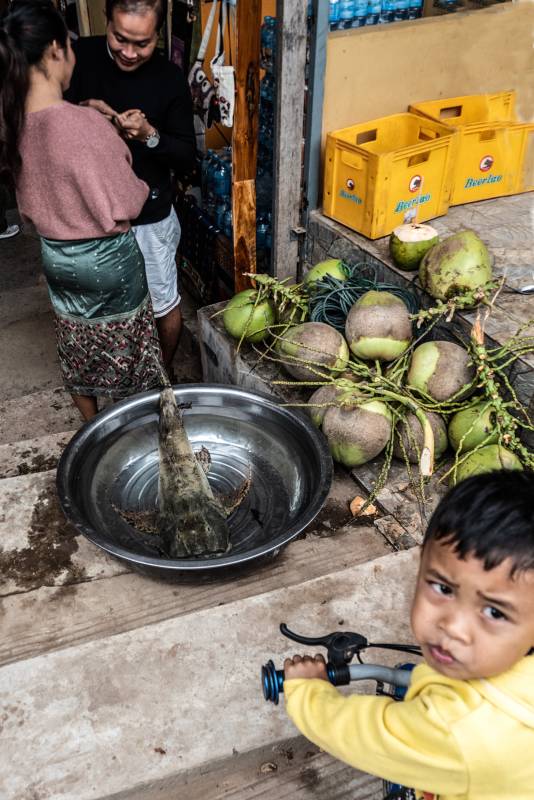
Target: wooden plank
[244,216]
[245,138]
[291,90]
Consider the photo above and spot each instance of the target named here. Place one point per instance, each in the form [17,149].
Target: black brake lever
[341,646]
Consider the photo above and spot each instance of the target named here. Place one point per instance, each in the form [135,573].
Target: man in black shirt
[147,98]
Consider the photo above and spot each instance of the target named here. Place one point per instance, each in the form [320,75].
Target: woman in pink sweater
[75,184]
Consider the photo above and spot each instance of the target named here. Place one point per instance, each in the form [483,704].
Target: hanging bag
[223,75]
[205,106]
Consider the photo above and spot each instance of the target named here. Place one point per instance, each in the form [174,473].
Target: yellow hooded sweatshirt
[467,740]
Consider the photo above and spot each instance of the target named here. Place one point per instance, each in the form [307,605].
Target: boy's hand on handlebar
[305,667]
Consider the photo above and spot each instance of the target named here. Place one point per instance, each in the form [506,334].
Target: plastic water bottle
[267,89]
[387,12]
[204,170]
[221,179]
[401,10]
[227,224]
[347,12]
[415,9]
[360,14]
[374,9]
[262,227]
[333,14]
[268,43]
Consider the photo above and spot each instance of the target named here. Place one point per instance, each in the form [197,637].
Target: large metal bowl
[112,463]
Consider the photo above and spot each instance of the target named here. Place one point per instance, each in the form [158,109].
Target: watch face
[153,140]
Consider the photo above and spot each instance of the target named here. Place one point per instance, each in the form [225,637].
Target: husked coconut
[441,369]
[356,435]
[378,326]
[411,436]
[320,345]
[409,243]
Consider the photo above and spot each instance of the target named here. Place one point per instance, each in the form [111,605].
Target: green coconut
[241,316]
[441,369]
[488,459]
[332,267]
[477,424]
[460,262]
[315,342]
[411,436]
[409,243]
[378,326]
[356,435]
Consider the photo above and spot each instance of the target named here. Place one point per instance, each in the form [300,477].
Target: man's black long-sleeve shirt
[159,89]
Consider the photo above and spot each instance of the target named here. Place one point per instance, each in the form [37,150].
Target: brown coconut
[356,435]
[440,369]
[316,342]
[411,434]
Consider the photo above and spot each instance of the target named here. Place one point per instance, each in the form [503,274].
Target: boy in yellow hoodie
[466,727]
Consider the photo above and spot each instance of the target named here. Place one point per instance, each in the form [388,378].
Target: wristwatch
[152,140]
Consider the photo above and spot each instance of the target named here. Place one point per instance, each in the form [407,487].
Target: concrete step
[37,414]
[32,455]
[147,709]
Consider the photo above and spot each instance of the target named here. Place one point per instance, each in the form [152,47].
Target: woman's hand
[134,125]
[100,105]
[305,667]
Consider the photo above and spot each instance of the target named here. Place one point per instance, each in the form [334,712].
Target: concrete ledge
[92,719]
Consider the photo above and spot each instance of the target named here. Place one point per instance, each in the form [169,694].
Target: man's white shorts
[158,242]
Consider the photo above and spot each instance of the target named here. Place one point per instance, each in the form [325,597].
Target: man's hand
[134,125]
[99,105]
[305,667]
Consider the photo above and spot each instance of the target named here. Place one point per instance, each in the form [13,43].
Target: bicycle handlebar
[272,679]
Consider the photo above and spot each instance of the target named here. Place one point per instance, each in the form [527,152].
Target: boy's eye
[493,613]
[440,588]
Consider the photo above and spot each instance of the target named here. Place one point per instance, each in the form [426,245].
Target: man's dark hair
[490,517]
[159,7]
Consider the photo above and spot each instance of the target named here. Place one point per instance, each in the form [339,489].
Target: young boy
[466,727]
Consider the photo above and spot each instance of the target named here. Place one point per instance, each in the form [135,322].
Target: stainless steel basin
[112,463]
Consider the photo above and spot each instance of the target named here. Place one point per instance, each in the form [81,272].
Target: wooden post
[290,87]
[84,24]
[245,139]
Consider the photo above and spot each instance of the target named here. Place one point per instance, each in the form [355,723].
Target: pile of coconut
[379,388]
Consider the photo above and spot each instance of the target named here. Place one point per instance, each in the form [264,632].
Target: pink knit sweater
[76,180]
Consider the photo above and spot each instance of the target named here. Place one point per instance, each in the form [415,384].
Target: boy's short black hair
[159,7]
[490,517]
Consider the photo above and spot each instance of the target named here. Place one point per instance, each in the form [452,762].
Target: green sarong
[106,335]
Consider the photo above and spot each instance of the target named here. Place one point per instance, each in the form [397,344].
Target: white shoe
[10,231]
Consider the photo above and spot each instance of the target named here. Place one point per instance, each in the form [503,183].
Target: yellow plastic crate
[391,170]
[495,152]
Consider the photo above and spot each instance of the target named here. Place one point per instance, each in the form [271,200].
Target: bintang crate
[495,152]
[392,170]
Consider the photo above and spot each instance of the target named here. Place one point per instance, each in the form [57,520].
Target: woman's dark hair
[26,30]
[490,517]
[159,7]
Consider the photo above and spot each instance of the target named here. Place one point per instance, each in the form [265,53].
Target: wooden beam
[84,24]
[290,87]
[245,139]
